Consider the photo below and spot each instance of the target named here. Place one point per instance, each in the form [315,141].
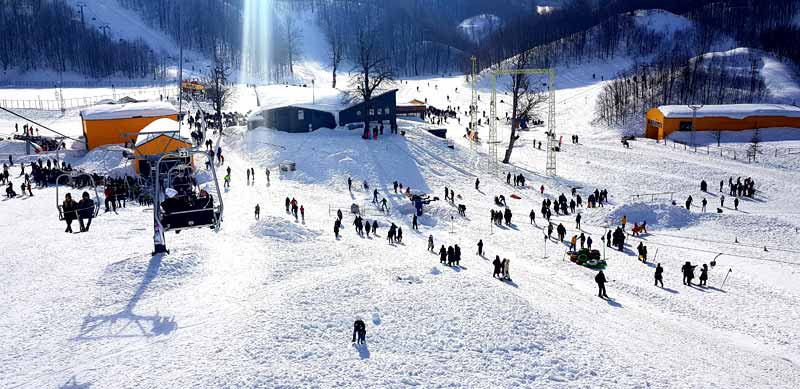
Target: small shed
[294,118]
[120,123]
[382,108]
[159,137]
[412,108]
[666,119]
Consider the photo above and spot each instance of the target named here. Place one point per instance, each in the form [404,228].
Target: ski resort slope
[271,302]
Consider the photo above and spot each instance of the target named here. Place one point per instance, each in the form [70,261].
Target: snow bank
[282,229]
[15,147]
[655,214]
[106,160]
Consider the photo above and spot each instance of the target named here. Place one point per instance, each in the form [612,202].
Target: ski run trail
[271,302]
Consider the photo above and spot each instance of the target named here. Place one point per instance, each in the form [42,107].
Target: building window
[358,113]
[655,123]
[380,111]
[387,110]
[685,126]
[301,115]
[371,112]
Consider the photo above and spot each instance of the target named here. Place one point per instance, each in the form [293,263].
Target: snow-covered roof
[332,108]
[129,110]
[163,126]
[733,111]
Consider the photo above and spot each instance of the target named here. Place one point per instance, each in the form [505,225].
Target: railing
[87,84]
[734,154]
[653,196]
[81,102]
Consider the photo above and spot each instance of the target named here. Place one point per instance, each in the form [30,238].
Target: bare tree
[373,69]
[718,137]
[335,36]
[293,36]
[755,144]
[218,90]
[525,97]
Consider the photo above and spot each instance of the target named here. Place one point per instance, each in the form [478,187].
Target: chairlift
[71,180]
[182,204]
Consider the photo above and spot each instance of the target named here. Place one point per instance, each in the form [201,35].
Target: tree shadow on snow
[95,327]
[363,350]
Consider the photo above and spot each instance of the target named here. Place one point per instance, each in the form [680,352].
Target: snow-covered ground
[271,302]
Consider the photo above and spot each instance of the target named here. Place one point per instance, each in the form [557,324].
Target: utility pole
[313,91]
[81,5]
[694,108]
[473,107]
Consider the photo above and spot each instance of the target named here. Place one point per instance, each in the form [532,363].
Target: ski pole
[655,255]
[726,278]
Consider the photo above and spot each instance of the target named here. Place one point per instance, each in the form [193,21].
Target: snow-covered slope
[271,302]
[478,27]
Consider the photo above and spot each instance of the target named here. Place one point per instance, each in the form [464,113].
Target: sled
[515,196]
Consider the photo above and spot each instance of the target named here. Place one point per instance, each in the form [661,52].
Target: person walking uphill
[359,332]
[498,267]
[659,275]
[600,279]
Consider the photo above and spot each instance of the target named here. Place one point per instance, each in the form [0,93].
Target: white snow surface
[478,27]
[129,110]
[271,303]
[733,111]
[659,20]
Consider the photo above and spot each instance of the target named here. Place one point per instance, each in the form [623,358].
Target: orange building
[120,123]
[666,119]
[159,137]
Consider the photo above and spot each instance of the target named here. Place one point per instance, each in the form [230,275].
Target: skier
[480,247]
[659,275]
[600,279]
[359,332]
[258,211]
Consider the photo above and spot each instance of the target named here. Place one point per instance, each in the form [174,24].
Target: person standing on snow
[477,183]
[258,211]
[659,275]
[480,247]
[442,254]
[430,243]
[600,279]
[359,332]
[704,203]
[533,217]
[704,275]
[302,213]
[414,222]
[498,267]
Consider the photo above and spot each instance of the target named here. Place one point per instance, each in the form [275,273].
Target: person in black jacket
[442,254]
[600,279]
[359,332]
[659,275]
[69,207]
[498,267]
[85,211]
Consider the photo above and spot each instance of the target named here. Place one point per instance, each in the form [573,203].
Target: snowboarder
[659,275]
[600,279]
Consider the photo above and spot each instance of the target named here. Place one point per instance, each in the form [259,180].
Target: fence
[87,84]
[81,102]
[653,196]
[735,154]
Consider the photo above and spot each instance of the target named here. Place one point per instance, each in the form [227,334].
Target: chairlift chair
[187,208]
[70,181]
